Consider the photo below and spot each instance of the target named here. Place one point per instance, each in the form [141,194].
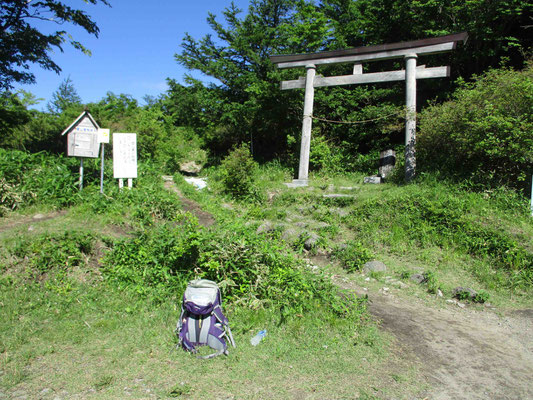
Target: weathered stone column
[303,172]
[410,120]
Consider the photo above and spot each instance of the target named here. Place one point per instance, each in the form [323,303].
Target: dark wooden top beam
[457,37]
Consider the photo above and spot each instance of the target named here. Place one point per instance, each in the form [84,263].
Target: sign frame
[124,155]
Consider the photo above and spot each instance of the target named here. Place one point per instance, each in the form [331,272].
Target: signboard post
[82,139]
[103,137]
[125,157]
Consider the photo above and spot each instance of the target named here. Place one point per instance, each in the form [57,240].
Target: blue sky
[134,53]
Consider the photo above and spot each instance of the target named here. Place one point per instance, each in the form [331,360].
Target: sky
[134,53]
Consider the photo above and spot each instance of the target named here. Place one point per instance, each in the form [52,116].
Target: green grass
[72,328]
[482,240]
[97,342]
[78,323]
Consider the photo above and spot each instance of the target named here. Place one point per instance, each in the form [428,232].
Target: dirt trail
[463,353]
[204,218]
[7,224]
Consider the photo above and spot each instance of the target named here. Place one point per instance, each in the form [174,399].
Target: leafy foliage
[484,133]
[22,44]
[244,103]
[31,177]
[353,255]
[56,251]
[446,221]
[252,271]
[239,172]
[66,96]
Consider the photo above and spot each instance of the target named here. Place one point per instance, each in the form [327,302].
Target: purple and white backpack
[202,322]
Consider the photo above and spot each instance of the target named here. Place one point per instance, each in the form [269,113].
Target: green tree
[502,28]
[14,113]
[64,97]
[244,102]
[22,43]
[239,173]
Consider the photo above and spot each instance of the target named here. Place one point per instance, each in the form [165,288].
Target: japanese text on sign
[125,155]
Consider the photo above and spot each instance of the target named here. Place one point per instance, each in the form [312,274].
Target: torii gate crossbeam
[407,50]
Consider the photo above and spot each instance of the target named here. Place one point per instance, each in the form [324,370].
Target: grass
[96,342]
[480,240]
[68,331]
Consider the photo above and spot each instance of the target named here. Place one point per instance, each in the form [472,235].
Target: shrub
[56,251]
[447,218]
[239,173]
[353,256]
[158,261]
[40,177]
[484,133]
[323,156]
[252,271]
[10,197]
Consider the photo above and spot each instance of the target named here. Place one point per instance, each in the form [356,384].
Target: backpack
[202,321]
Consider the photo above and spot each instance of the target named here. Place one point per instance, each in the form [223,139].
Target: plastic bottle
[257,338]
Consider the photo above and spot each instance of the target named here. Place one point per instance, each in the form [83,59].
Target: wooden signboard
[82,137]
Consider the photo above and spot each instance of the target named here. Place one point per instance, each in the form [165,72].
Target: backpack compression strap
[198,331]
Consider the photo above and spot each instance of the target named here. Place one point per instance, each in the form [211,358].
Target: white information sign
[103,135]
[124,155]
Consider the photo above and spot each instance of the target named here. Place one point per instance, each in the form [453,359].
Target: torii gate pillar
[407,50]
[305,147]
[410,119]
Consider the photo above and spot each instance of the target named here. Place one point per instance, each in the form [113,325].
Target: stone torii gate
[407,50]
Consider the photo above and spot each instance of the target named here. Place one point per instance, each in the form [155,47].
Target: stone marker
[372,179]
[387,161]
[374,266]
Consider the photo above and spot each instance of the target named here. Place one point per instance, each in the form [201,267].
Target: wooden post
[81,173]
[410,120]
[102,172]
[120,183]
[532,195]
[303,172]
[130,183]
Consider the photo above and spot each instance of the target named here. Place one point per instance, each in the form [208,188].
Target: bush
[38,177]
[353,256]
[445,218]
[252,271]
[239,172]
[56,251]
[324,156]
[484,133]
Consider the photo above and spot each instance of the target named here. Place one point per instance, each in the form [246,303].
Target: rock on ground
[374,266]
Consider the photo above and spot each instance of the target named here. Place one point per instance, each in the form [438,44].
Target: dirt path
[204,218]
[463,353]
[7,224]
